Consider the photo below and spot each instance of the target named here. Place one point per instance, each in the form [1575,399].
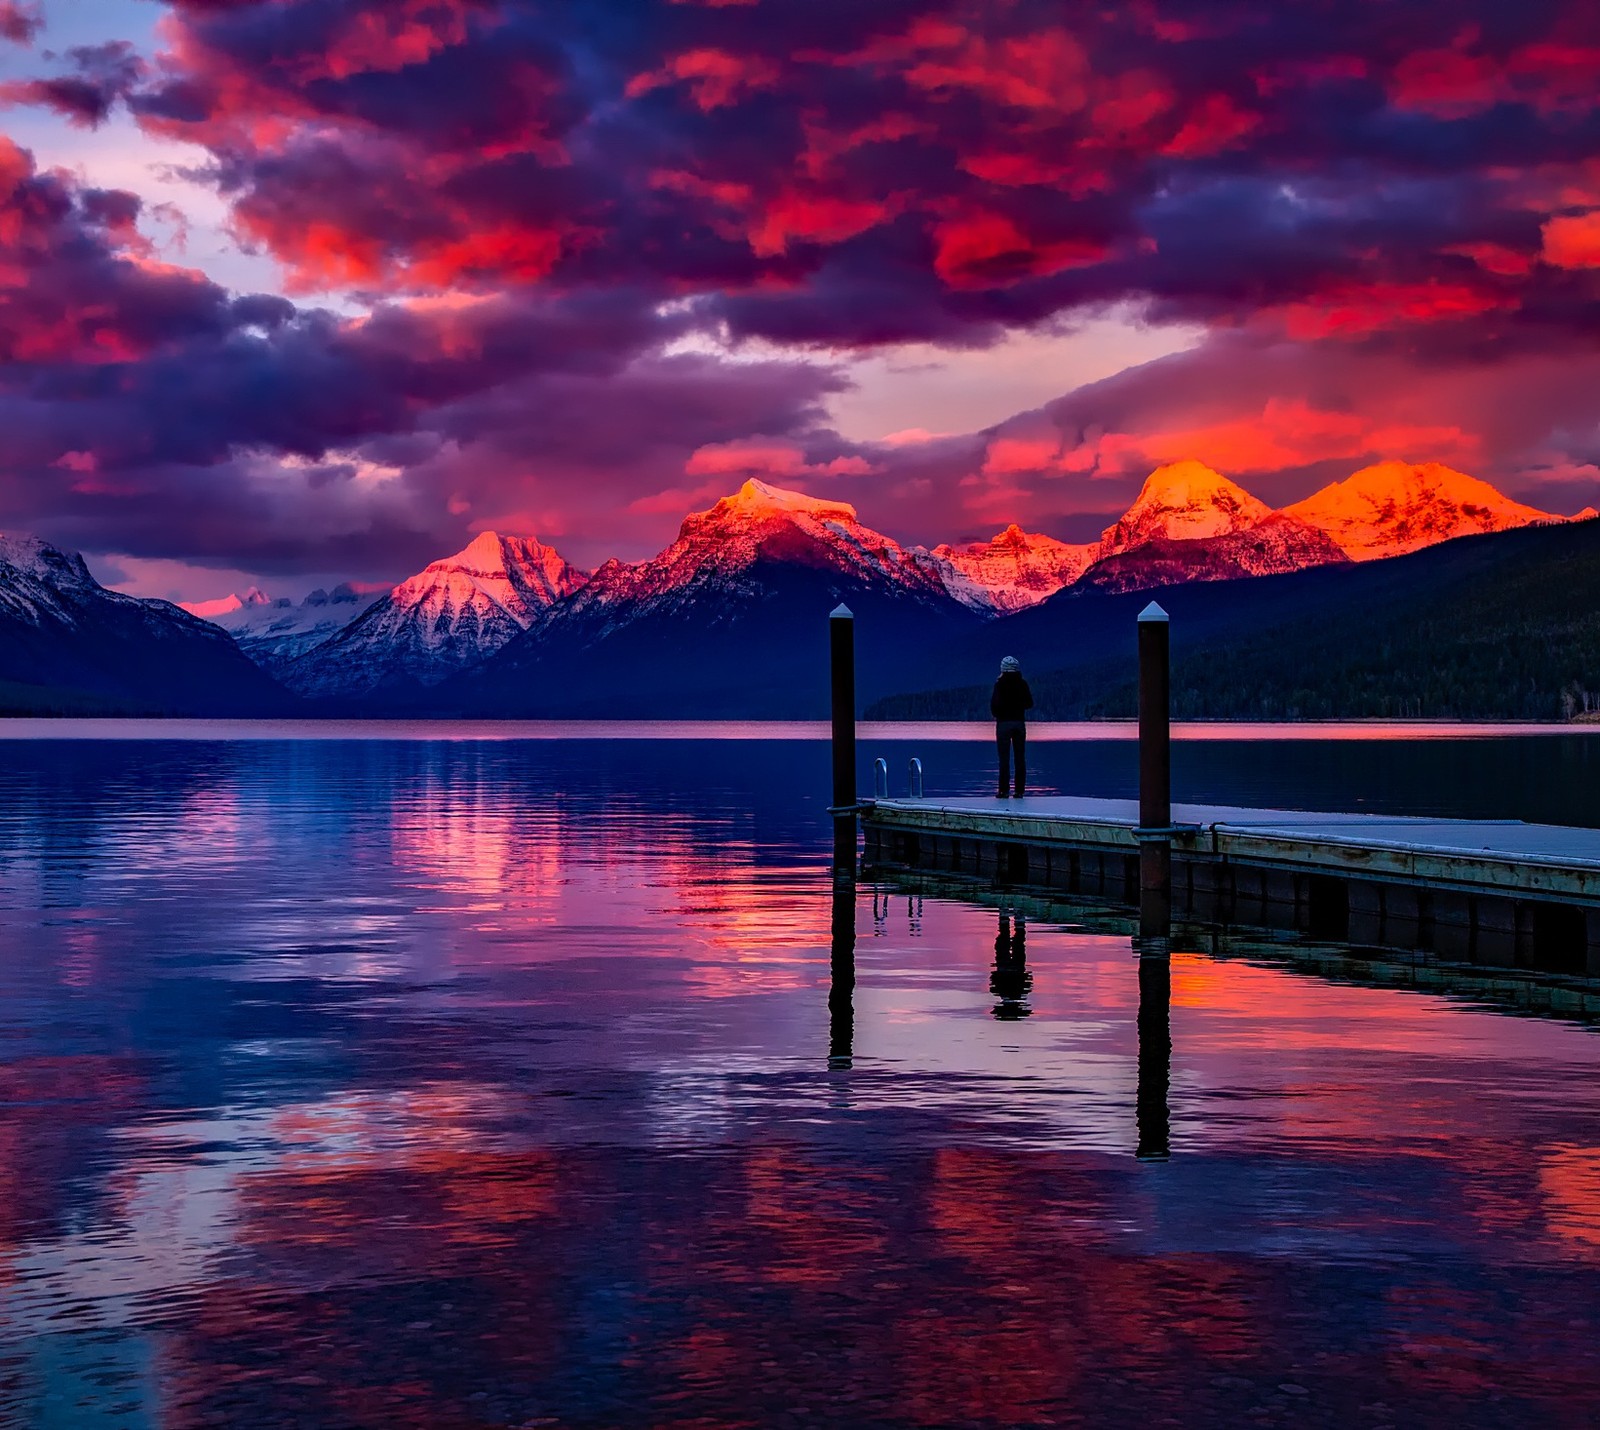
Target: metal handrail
[880,777]
[914,778]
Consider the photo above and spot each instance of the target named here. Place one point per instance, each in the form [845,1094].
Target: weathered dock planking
[1499,892]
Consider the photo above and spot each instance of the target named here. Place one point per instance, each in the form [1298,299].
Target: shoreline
[22,728]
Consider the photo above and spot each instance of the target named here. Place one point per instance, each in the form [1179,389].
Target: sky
[295,291]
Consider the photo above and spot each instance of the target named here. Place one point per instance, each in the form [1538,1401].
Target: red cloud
[19,23]
[1348,310]
[1448,82]
[1215,124]
[1280,434]
[988,250]
[1496,258]
[813,218]
[1318,177]
[75,285]
[1046,70]
[395,35]
[1573,240]
[714,77]
[855,174]
[772,459]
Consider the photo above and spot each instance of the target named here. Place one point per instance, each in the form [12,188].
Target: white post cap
[1152,612]
[841,612]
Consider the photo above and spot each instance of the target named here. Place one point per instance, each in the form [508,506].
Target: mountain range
[1504,625]
[275,633]
[68,646]
[724,620]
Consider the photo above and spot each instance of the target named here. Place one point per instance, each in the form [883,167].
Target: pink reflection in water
[430,1085]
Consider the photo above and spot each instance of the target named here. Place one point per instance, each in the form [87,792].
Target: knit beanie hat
[1010,663]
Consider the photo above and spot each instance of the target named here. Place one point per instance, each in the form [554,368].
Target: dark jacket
[1011,699]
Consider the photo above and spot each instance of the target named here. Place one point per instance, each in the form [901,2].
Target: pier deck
[1497,891]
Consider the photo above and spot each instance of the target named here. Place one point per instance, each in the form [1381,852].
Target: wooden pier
[1501,893]
[1496,892]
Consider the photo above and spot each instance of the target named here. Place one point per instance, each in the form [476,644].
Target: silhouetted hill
[1503,626]
[760,652]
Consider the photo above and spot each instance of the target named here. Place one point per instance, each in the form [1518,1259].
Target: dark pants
[1012,736]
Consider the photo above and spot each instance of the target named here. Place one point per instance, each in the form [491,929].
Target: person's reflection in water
[841,990]
[1155,1059]
[1010,982]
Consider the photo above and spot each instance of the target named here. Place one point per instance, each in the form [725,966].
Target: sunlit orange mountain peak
[756,499]
[760,522]
[1184,501]
[1012,570]
[1394,507]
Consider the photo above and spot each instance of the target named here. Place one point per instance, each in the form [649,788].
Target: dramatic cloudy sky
[298,289]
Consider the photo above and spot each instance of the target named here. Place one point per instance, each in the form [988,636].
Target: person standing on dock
[1009,705]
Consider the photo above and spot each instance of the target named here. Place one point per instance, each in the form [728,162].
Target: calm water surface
[486,1081]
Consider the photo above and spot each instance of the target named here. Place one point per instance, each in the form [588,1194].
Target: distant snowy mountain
[228,605]
[450,616]
[68,644]
[275,634]
[729,619]
[1272,546]
[1394,507]
[1012,571]
[1184,501]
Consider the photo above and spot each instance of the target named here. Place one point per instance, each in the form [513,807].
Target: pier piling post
[842,649]
[1155,774]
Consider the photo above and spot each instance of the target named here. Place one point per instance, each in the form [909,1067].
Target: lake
[403,1075]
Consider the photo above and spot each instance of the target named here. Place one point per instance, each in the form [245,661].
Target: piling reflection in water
[1155,1059]
[842,968]
[1010,980]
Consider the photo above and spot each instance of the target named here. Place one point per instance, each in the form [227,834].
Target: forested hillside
[1495,627]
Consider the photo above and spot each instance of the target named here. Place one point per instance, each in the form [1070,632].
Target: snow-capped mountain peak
[765,522]
[1011,570]
[516,575]
[757,499]
[738,525]
[519,575]
[715,560]
[1184,501]
[1393,507]
[41,561]
[452,614]
[227,605]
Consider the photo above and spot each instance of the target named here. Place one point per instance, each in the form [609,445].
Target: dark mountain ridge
[759,651]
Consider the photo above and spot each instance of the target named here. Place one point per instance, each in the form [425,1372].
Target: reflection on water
[1155,1059]
[1011,980]
[403,1083]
